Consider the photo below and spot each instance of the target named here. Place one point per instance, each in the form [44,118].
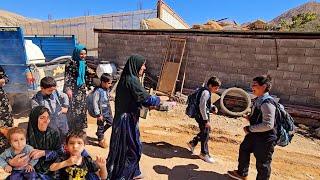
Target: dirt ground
[165,156]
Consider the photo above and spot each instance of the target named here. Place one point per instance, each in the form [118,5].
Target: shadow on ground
[188,172]
[166,150]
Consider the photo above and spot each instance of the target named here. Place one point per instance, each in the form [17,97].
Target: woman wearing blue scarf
[75,88]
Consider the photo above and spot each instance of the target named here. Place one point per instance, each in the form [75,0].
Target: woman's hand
[37,154]
[19,160]
[69,93]
[8,169]
[100,118]
[29,168]
[2,82]
[4,131]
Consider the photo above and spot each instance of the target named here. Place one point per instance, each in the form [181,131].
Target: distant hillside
[310,7]
[12,19]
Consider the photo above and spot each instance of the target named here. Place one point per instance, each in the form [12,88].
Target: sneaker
[191,147]
[235,175]
[206,158]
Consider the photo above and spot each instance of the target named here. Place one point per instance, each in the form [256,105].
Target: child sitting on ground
[72,165]
[100,108]
[17,140]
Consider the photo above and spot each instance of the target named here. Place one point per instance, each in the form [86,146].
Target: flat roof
[244,34]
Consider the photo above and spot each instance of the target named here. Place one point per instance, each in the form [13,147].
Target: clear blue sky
[192,11]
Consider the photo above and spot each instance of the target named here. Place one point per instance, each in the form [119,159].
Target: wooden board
[169,76]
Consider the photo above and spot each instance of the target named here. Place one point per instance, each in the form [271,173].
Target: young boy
[56,102]
[261,134]
[203,118]
[102,108]
[72,165]
[17,139]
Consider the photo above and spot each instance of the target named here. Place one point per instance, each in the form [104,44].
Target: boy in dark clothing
[203,118]
[56,102]
[261,135]
[72,165]
[102,108]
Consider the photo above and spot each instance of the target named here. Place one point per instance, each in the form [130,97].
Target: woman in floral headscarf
[75,88]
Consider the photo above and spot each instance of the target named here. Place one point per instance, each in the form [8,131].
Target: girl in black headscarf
[44,140]
[125,146]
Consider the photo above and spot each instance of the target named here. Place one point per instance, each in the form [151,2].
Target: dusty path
[164,136]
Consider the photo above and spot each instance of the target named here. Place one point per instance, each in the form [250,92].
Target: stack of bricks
[294,64]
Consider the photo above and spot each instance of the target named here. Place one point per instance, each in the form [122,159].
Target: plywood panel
[168,77]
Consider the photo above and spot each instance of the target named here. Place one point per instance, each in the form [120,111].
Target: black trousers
[203,137]
[262,150]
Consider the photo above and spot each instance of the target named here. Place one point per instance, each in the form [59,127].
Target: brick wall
[293,60]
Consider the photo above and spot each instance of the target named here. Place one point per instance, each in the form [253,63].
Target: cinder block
[234,49]
[313,52]
[317,45]
[314,101]
[214,40]
[285,67]
[282,51]
[228,41]
[247,50]
[296,51]
[221,48]
[298,99]
[299,84]
[297,59]
[255,43]
[247,57]
[261,57]
[306,92]
[269,43]
[276,73]
[287,42]
[222,55]
[306,43]
[265,50]
[314,85]
[313,60]
[283,58]
[316,69]
[310,77]
[302,68]
[292,75]
[240,64]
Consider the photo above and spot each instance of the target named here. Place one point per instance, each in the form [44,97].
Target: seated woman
[45,141]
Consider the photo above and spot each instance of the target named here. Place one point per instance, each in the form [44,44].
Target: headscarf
[46,140]
[130,79]
[81,63]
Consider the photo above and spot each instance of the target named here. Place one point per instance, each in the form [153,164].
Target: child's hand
[101,162]
[74,160]
[29,168]
[8,169]
[100,118]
